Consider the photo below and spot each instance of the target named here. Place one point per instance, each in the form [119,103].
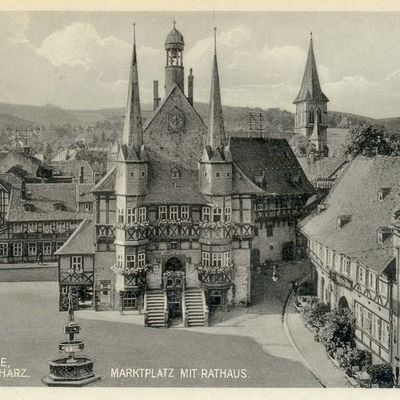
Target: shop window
[129,301]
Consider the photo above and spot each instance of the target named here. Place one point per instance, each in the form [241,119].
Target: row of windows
[213,214]
[217,174]
[132,261]
[372,324]
[342,264]
[216,259]
[33,249]
[45,226]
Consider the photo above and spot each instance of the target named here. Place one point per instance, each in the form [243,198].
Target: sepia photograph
[199,199]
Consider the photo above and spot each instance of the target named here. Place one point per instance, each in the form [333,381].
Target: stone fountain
[71,369]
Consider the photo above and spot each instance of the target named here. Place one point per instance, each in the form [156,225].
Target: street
[31,327]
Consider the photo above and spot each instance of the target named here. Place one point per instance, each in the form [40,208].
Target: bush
[314,313]
[381,374]
[355,358]
[338,330]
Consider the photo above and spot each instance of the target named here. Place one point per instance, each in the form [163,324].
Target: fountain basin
[67,372]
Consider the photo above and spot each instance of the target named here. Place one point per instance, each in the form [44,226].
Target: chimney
[156,99]
[190,87]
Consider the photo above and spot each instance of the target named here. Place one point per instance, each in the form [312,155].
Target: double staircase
[195,308]
[155,309]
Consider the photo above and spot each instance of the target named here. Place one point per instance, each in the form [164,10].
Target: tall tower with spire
[174,73]
[216,162]
[131,177]
[311,104]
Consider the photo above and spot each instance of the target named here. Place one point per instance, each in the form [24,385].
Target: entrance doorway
[174,283]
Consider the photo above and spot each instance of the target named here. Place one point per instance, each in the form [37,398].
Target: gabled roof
[107,182]
[310,86]
[174,89]
[42,197]
[274,159]
[80,242]
[355,193]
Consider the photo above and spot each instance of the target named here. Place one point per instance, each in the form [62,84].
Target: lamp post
[69,369]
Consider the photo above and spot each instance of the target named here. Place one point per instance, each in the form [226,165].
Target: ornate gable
[175,130]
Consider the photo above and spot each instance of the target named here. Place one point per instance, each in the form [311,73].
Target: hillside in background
[60,128]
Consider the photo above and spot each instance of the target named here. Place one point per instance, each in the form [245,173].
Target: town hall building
[183,214]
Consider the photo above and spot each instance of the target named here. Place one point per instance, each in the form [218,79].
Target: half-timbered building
[184,213]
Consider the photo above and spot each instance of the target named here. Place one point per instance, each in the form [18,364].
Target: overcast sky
[81,59]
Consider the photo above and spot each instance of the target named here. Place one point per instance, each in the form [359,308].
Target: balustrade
[159,231]
[77,278]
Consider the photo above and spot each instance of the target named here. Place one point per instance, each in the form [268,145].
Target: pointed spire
[216,131]
[132,135]
[310,86]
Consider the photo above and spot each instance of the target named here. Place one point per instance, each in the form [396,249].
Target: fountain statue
[70,369]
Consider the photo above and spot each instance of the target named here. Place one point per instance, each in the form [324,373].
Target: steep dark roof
[107,182]
[355,193]
[43,196]
[310,86]
[163,189]
[84,193]
[80,242]
[274,160]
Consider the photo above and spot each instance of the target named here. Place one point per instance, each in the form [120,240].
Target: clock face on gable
[176,122]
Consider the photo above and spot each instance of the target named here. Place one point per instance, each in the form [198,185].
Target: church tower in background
[311,106]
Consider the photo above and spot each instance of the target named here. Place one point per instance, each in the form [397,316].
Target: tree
[339,330]
[301,146]
[381,374]
[315,313]
[367,140]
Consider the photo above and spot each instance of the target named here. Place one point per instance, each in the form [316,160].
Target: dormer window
[58,206]
[28,206]
[382,234]
[342,220]
[175,173]
[382,193]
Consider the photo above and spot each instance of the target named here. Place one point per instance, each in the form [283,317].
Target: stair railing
[206,312]
[166,314]
[184,309]
[145,311]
